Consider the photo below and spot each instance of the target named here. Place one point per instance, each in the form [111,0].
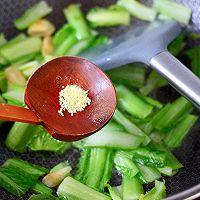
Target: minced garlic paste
[73,99]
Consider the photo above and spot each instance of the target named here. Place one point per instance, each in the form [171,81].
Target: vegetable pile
[138,140]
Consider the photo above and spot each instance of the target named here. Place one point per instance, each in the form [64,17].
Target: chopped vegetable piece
[2,39]
[53,179]
[64,32]
[113,193]
[41,140]
[80,46]
[146,157]
[174,138]
[113,139]
[42,197]
[157,193]
[108,17]
[3,82]
[17,176]
[107,171]
[194,55]
[131,188]
[28,68]
[76,19]
[169,117]
[96,167]
[174,10]
[15,98]
[138,9]
[19,135]
[32,14]
[26,167]
[60,166]
[149,174]
[125,164]
[41,188]
[177,45]
[151,101]
[130,126]
[15,181]
[82,165]
[67,44]
[99,40]
[132,103]
[22,48]
[76,190]
[131,75]
[154,81]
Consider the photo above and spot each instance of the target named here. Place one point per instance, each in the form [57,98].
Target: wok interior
[188,153]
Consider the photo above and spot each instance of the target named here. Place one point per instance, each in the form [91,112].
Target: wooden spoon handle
[18,114]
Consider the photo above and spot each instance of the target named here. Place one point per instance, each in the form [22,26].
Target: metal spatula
[148,44]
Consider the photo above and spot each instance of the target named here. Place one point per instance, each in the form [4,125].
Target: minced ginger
[73,99]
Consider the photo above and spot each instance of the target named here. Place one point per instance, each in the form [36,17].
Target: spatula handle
[18,114]
[178,75]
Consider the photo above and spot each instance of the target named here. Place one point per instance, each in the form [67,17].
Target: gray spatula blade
[149,45]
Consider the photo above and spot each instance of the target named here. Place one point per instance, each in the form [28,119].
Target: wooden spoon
[42,95]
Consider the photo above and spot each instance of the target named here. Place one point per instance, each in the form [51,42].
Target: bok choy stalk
[154,81]
[176,135]
[138,9]
[21,49]
[41,188]
[114,139]
[76,19]
[82,165]
[130,126]
[156,193]
[169,115]
[177,11]
[125,164]
[113,193]
[131,75]
[43,197]
[131,188]
[76,190]
[32,14]
[108,17]
[148,174]
[132,103]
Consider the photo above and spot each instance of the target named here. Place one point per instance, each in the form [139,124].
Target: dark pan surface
[188,153]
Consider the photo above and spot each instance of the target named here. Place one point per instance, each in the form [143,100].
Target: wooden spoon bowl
[42,97]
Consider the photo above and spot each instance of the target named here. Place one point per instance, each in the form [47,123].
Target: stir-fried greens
[138,140]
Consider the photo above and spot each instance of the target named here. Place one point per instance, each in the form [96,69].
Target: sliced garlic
[41,28]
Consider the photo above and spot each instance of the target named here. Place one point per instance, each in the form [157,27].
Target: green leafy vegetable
[17,176]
